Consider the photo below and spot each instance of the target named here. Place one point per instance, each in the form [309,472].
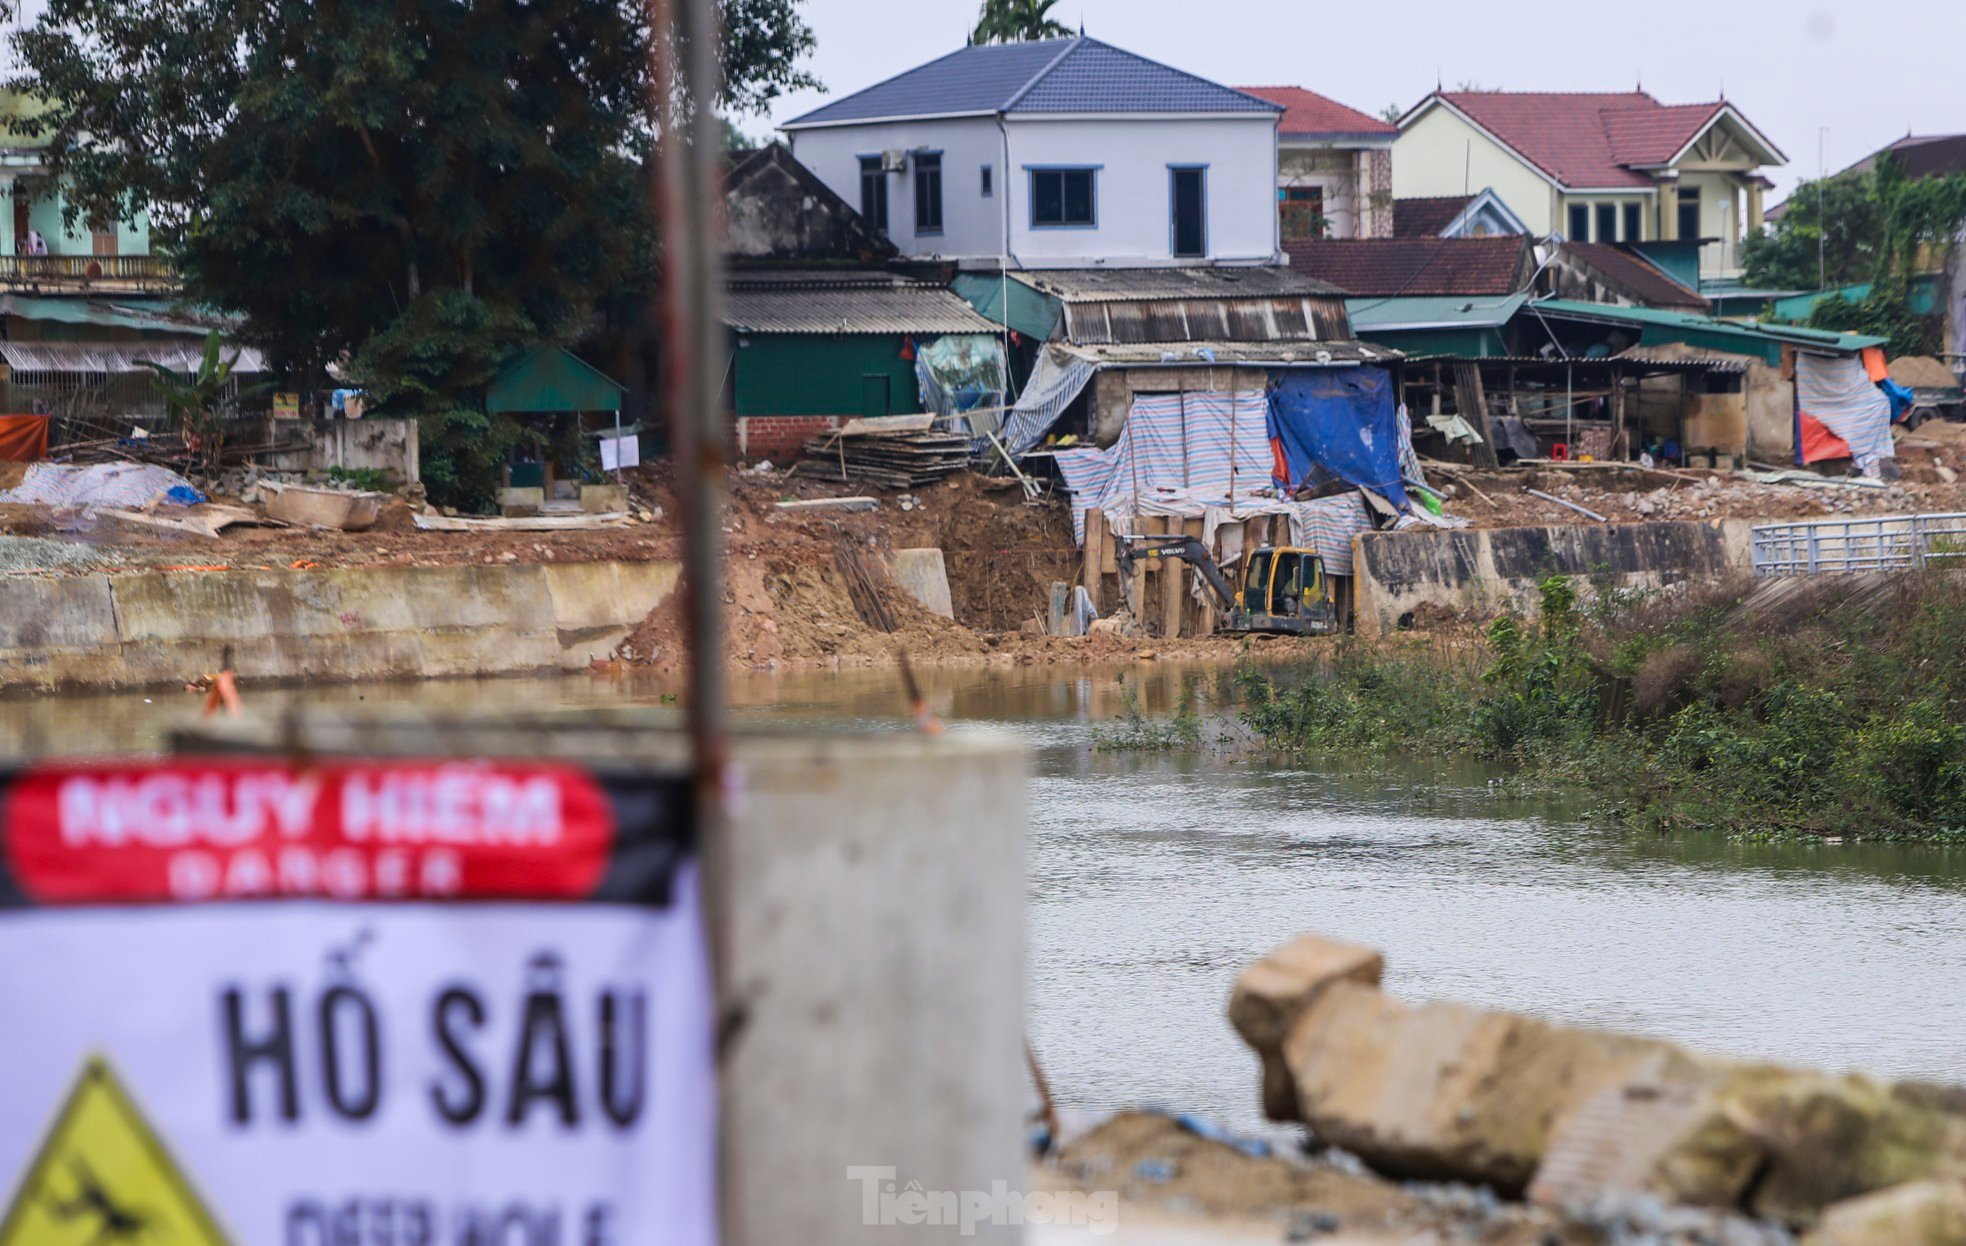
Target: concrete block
[1918,1213]
[323,508]
[521,503]
[604,499]
[597,605]
[1444,1091]
[1273,992]
[924,576]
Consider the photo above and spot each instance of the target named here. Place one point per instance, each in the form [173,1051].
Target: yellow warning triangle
[103,1178]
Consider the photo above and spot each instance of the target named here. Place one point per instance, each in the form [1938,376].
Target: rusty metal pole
[685,83]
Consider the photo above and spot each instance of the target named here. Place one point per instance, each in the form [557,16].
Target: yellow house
[1596,166]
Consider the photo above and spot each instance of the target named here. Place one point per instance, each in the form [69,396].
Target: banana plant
[198,400]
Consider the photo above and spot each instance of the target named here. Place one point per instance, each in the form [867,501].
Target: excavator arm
[1184,548]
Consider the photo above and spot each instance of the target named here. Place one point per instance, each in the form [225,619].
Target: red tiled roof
[1427,217]
[1643,280]
[1587,140]
[1309,114]
[1387,267]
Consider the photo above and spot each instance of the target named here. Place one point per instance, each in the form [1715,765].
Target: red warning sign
[204,829]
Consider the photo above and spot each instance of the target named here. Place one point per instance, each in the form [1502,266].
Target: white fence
[1886,543]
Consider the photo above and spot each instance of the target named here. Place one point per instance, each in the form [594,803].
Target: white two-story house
[1060,153]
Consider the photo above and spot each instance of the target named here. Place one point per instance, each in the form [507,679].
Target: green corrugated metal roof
[1032,313]
[1689,322]
[1409,312]
[552,380]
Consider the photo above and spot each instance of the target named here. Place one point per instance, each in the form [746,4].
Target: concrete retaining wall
[162,628]
[1494,570]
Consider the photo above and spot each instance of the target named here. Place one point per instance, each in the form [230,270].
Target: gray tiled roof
[1045,76]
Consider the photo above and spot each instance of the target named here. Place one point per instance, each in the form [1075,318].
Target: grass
[1836,712]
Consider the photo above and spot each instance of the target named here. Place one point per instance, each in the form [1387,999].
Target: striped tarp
[1206,446]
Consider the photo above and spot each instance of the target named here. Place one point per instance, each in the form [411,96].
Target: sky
[1869,73]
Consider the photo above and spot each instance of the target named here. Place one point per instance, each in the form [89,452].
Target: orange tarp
[23,438]
[1819,443]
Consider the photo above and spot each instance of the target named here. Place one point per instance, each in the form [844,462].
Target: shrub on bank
[1838,711]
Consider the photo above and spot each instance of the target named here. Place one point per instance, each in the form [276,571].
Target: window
[989,180]
[873,192]
[1634,222]
[1063,197]
[1689,213]
[1188,211]
[1580,222]
[1607,222]
[928,192]
[1301,212]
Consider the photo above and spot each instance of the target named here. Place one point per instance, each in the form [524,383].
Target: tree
[1875,227]
[418,189]
[1017,21]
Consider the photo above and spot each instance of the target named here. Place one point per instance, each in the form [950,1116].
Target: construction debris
[849,504]
[896,460]
[542,523]
[323,508]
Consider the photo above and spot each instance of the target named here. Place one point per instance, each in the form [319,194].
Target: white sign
[620,452]
[314,1072]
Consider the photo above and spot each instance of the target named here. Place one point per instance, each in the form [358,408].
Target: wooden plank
[1472,404]
[1174,582]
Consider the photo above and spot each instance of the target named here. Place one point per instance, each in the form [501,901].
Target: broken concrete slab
[1272,993]
[849,504]
[1918,1213]
[308,507]
[924,576]
[541,523]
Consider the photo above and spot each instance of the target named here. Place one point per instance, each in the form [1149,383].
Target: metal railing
[84,268]
[1885,543]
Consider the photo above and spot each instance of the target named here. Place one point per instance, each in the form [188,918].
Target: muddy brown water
[1154,876]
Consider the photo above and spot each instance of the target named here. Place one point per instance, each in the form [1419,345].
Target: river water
[1155,875]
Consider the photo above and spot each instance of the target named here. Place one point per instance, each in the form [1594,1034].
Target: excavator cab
[1283,590]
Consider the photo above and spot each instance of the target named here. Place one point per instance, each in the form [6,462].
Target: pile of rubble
[1593,1124]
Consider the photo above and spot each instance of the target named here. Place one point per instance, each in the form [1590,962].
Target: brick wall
[778,437]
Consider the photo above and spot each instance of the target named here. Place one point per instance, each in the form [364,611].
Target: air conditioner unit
[894,160]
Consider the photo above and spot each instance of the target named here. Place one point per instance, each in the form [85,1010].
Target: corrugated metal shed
[106,357]
[1207,320]
[1203,354]
[840,303]
[1670,324]
[1086,285]
[1382,315]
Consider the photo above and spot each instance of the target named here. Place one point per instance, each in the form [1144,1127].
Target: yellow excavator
[1283,591]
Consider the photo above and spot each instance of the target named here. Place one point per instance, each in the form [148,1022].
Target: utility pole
[1822,216]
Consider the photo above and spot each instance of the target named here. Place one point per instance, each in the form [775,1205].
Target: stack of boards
[898,452]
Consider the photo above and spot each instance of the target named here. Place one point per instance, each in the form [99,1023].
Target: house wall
[1440,154]
[1335,171]
[1134,188]
[814,375]
[45,212]
[1720,217]
[972,225]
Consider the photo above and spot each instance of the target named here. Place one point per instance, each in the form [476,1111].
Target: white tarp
[1836,391]
[313,1071]
[1058,378]
[98,484]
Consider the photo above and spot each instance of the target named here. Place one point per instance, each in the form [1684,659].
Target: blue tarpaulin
[1336,422]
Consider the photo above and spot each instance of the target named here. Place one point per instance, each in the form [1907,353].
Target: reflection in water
[1154,877]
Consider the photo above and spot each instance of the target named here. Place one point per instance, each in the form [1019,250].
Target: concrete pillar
[1668,211]
[1754,222]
